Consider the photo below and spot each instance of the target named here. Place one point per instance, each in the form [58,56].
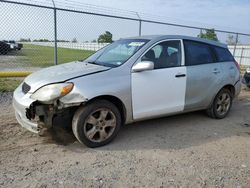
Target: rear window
[197,53]
[223,54]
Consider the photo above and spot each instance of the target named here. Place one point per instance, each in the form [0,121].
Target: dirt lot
[189,150]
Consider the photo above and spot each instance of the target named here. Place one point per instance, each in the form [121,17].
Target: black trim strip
[86,74]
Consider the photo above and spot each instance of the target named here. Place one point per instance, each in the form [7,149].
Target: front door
[162,90]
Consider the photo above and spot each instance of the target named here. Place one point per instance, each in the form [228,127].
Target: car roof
[162,37]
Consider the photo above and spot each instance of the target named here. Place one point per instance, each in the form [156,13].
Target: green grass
[8,85]
[43,56]
[37,56]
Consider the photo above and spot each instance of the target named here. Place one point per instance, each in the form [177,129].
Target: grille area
[25,88]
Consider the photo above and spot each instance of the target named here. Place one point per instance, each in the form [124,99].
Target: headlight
[52,92]
[248,70]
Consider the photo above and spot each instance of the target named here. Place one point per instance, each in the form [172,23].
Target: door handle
[216,71]
[180,75]
[231,68]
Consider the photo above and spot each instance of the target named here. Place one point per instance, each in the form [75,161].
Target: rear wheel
[97,123]
[221,105]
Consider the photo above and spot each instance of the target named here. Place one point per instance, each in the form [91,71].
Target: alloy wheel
[223,103]
[100,125]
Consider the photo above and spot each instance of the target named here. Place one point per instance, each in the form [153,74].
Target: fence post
[140,28]
[139,23]
[200,32]
[55,35]
[236,41]
[241,54]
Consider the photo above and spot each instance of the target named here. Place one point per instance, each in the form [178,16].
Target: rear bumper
[22,101]
[237,87]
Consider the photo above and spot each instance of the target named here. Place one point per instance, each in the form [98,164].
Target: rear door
[204,74]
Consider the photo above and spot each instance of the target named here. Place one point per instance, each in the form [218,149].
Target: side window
[197,53]
[164,55]
[223,54]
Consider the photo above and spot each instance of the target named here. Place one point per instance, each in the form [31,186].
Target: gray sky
[227,14]
[26,22]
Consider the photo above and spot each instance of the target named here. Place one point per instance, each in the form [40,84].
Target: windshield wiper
[95,63]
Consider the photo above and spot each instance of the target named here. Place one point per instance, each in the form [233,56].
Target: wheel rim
[100,125]
[223,103]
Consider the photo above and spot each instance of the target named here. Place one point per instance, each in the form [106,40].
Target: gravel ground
[189,150]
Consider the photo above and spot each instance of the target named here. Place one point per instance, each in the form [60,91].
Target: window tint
[197,53]
[164,55]
[223,54]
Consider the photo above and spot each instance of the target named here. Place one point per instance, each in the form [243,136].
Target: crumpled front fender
[74,98]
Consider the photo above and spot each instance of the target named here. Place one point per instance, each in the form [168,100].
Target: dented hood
[61,73]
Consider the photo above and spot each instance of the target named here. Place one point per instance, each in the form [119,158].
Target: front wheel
[97,123]
[221,105]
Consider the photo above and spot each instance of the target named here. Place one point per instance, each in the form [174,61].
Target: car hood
[61,73]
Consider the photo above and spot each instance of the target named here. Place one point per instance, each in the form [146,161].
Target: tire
[221,105]
[97,123]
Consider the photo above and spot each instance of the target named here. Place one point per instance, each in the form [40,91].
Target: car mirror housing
[143,66]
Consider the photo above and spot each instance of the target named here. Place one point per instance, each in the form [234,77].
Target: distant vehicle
[14,45]
[4,48]
[246,78]
[130,80]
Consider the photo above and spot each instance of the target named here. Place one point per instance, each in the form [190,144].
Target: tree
[74,40]
[105,37]
[24,40]
[41,40]
[231,40]
[209,34]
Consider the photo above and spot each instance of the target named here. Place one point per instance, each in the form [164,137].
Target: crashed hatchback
[130,80]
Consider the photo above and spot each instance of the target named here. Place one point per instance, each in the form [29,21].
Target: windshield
[117,53]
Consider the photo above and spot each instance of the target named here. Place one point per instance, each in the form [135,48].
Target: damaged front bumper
[21,102]
[35,116]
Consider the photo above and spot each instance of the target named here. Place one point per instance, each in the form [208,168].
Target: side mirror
[143,66]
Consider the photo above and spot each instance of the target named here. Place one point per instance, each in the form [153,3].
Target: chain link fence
[43,33]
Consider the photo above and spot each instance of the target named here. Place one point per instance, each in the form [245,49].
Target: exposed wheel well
[116,101]
[230,88]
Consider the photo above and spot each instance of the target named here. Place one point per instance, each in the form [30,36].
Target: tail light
[237,65]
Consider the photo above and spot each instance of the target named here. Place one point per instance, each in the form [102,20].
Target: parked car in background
[246,77]
[19,46]
[14,45]
[4,48]
[130,80]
